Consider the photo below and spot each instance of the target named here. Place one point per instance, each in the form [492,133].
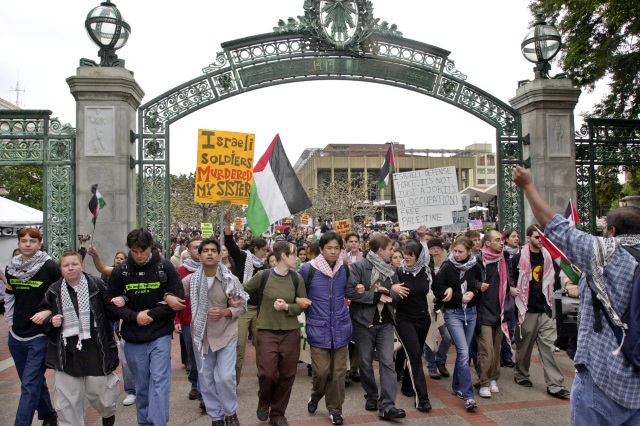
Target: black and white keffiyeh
[381,270]
[603,249]
[421,262]
[191,265]
[463,268]
[74,324]
[252,263]
[198,293]
[24,271]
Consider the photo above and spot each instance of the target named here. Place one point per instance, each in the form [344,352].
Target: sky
[172,41]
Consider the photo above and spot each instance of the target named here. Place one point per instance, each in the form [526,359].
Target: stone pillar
[107,99]
[547,107]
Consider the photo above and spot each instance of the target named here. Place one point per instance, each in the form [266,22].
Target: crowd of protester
[373,295]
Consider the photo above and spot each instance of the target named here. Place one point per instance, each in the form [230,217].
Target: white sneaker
[494,387]
[129,400]
[485,392]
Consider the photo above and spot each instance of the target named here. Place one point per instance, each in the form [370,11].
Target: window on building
[491,181]
[491,160]
[481,161]
[491,171]
[482,181]
[481,170]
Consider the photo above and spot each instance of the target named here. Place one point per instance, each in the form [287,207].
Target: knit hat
[434,242]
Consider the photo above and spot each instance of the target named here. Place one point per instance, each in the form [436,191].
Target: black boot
[109,421]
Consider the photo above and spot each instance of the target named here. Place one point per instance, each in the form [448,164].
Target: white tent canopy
[16,214]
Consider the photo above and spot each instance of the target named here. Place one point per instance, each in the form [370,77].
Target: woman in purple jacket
[328,325]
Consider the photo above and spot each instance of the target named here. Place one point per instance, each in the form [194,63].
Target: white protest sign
[426,197]
[460,218]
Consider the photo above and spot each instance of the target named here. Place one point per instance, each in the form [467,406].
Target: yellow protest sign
[305,219]
[343,226]
[207,229]
[238,223]
[224,169]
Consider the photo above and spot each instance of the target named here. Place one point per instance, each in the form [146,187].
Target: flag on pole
[276,192]
[96,203]
[571,214]
[388,167]
[558,256]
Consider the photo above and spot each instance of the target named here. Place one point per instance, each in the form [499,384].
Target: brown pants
[277,367]
[489,346]
[329,370]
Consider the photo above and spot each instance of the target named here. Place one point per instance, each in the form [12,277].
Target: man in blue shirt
[606,389]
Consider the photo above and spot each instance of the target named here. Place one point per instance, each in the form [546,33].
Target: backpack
[629,341]
[263,283]
[162,277]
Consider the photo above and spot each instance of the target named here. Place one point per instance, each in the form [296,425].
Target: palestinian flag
[96,203]
[388,167]
[572,272]
[571,214]
[276,192]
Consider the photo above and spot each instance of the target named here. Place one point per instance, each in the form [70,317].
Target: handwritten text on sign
[343,226]
[224,170]
[426,197]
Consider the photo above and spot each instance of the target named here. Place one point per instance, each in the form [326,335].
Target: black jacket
[145,287]
[449,277]
[240,258]
[98,299]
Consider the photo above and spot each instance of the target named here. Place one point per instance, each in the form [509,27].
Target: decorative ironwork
[602,142]
[154,194]
[510,197]
[31,137]
[338,40]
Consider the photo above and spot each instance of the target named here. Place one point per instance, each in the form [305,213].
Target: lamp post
[109,31]
[476,200]
[541,44]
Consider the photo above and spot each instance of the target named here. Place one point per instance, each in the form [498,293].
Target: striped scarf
[488,257]
[524,279]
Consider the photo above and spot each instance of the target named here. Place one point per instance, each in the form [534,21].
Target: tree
[24,184]
[608,187]
[184,210]
[342,199]
[601,39]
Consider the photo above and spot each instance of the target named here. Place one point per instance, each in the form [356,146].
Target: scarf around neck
[191,265]
[462,269]
[381,270]
[74,324]
[511,250]
[321,264]
[24,271]
[488,257]
[250,265]
[603,249]
[421,262]
[524,279]
[199,294]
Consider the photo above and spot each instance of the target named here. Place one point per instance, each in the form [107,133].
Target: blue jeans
[28,357]
[127,377]
[439,356]
[461,326]
[188,342]
[150,365]
[591,406]
[378,337]
[507,352]
[217,380]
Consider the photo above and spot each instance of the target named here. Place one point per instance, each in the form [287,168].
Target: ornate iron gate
[602,142]
[32,138]
[331,41]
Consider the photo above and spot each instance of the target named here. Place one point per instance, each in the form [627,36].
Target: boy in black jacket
[139,286]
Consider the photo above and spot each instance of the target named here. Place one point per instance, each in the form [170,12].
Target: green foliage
[632,183]
[24,184]
[601,38]
[608,187]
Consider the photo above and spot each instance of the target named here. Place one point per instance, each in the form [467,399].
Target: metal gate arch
[33,138]
[304,50]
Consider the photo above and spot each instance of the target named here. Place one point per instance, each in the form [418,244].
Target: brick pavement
[513,406]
